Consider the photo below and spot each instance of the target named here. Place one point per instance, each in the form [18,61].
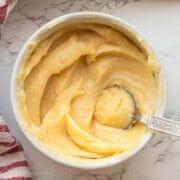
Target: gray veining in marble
[159,22]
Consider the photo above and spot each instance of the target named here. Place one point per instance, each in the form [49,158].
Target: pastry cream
[79,88]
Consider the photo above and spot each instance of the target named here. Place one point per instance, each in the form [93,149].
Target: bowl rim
[107,162]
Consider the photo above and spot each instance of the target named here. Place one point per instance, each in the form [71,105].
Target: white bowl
[45,31]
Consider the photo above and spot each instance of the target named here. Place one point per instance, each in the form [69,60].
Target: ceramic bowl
[44,32]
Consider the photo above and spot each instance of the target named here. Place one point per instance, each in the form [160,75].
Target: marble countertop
[159,22]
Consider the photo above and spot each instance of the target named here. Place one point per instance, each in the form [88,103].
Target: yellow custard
[73,91]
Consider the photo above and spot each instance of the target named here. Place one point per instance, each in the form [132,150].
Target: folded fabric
[13,165]
[5,7]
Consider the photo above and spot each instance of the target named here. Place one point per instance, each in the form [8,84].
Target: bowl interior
[44,32]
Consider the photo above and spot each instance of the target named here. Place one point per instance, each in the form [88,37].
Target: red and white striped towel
[5,7]
[13,165]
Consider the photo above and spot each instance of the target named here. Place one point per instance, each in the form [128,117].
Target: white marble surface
[159,22]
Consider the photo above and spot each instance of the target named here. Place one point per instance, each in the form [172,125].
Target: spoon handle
[162,124]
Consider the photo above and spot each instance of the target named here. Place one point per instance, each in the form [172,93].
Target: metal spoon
[161,124]
[153,122]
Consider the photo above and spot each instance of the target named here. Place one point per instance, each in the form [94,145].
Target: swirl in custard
[73,91]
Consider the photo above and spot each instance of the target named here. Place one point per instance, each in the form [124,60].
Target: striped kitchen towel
[13,165]
[5,7]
